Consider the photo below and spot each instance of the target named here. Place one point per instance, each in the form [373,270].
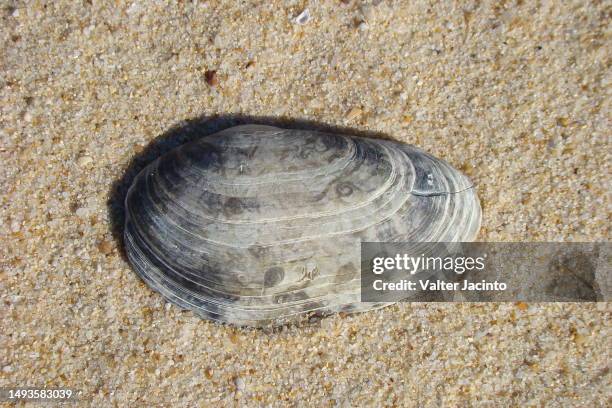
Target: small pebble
[211,78]
[84,161]
[15,226]
[522,306]
[82,212]
[208,372]
[239,382]
[105,247]
[303,18]
[354,113]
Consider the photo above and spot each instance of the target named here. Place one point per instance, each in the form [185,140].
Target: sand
[514,93]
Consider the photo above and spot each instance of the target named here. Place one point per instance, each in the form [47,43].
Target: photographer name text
[438,285]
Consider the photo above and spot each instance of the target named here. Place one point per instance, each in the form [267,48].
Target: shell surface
[258,225]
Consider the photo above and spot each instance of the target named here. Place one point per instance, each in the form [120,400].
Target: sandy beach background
[514,93]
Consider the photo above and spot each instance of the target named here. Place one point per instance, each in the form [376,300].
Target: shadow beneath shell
[193,129]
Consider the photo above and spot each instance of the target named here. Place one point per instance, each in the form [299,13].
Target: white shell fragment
[303,17]
[257,225]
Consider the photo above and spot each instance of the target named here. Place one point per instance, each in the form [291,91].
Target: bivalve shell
[257,225]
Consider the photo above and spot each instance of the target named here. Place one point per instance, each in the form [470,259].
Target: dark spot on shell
[232,206]
[273,276]
[236,205]
[257,251]
[347,308]
[291,297]
[204,155]
[346,272]
[344,189]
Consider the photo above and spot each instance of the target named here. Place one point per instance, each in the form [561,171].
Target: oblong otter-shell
[258,225]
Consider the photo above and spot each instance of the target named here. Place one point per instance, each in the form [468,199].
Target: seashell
[257,225]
